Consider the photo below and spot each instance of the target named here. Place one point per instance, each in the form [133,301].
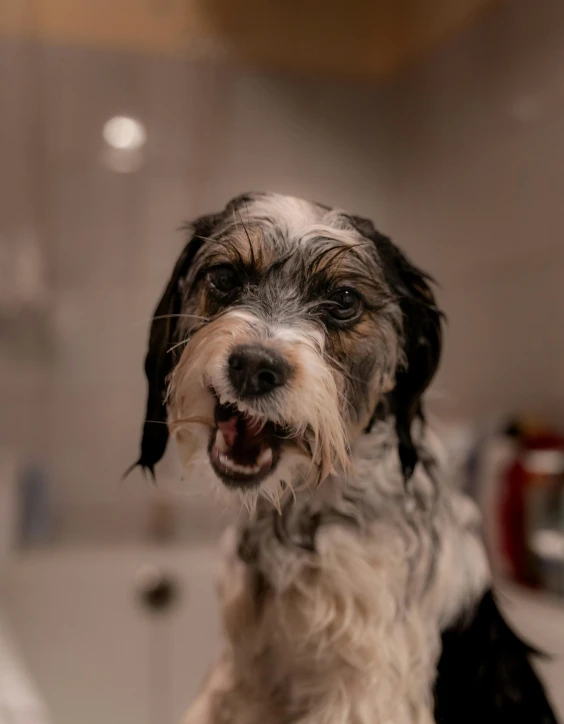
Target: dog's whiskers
[180,316]
[178,344]
[181,422]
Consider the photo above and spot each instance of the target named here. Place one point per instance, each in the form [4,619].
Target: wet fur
[360,595]
[333,610]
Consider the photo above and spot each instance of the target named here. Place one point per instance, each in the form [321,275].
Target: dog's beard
[295,435]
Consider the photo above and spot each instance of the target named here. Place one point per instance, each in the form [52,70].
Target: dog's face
[284,324]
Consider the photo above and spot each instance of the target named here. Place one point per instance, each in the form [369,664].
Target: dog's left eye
[224,278]
[345,304]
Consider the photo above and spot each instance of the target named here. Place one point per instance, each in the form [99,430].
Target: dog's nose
[255,370]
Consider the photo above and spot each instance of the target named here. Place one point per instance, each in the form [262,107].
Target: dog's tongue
[240,432]
[229,430]
[243,444]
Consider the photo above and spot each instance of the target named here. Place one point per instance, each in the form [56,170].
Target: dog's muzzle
[245,448]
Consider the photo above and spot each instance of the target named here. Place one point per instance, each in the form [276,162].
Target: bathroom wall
[458,158]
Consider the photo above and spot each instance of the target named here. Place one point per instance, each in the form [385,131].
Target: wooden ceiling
[337,37]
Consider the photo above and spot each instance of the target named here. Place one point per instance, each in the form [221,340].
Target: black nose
[255,370]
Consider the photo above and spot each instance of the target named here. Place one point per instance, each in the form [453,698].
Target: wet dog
[288,357]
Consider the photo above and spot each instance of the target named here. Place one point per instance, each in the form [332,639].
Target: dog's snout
[255,370]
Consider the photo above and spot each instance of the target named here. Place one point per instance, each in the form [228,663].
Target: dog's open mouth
[243,449]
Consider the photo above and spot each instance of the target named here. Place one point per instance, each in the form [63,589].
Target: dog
[288,357]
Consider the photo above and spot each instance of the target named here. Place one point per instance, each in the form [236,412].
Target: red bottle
[518,481]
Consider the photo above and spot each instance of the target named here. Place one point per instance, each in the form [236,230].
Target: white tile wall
[475,194]
[435,157]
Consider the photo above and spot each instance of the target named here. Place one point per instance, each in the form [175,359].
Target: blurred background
[440,119]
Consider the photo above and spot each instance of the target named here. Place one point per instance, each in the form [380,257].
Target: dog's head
[283,327]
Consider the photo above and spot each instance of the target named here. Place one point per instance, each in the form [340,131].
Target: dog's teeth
[247,469]
[226,461]
[223,399]
[265,458]
[220,443]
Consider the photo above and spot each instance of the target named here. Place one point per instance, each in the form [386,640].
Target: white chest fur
[347,633]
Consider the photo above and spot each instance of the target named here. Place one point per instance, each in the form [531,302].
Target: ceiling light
[124,133]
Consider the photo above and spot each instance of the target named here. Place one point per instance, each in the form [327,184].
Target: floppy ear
[422,339]
[422,349]
[159,361]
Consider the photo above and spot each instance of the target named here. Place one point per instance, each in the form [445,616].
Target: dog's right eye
[223,278]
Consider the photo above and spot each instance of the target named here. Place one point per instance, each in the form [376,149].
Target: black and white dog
[288,357]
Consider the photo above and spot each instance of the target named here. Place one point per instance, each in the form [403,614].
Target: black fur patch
[485,674]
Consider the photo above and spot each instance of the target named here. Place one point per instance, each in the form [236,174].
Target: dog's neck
[336,604]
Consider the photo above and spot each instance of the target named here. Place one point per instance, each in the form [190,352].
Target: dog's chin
[243,449]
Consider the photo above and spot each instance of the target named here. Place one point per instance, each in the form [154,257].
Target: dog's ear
[159,361]
[422,339]
[422,342]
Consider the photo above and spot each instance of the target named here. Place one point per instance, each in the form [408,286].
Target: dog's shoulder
[485,673]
